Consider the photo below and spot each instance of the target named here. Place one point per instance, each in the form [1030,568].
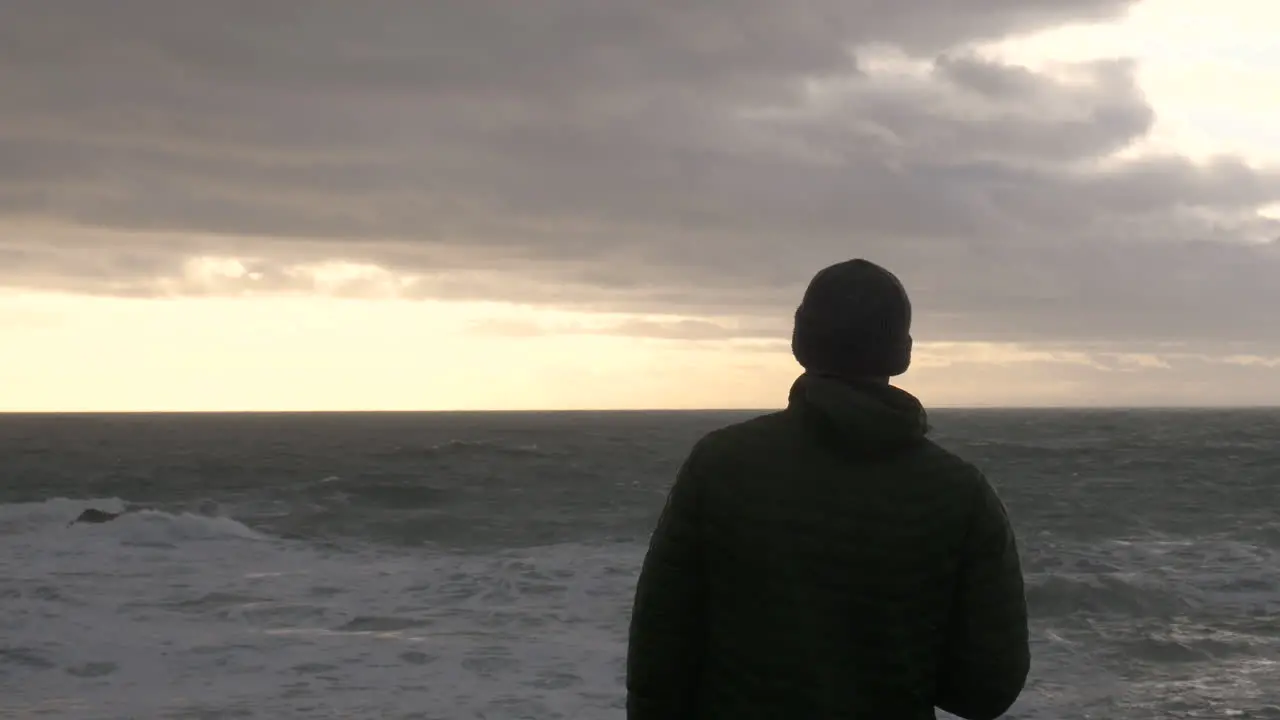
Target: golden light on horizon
[66,353]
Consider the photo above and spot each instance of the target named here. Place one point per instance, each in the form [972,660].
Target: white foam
[157,615]
[154,615]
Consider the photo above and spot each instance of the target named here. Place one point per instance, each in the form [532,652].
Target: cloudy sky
[486,204]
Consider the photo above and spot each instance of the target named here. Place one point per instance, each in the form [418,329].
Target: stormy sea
[451,566]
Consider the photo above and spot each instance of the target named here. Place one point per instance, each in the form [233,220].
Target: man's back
[828,562]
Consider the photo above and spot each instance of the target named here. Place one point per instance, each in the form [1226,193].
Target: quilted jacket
[828,561]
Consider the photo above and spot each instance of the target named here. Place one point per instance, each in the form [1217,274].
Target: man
[828,561]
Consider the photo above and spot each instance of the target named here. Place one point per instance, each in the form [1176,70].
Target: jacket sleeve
[987,655]
[664,648]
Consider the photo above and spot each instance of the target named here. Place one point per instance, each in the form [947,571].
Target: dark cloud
[1181,381]
[697,158]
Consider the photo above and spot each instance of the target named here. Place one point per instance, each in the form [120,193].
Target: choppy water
[481,566]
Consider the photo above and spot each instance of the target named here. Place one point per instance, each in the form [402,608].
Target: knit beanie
[854,322]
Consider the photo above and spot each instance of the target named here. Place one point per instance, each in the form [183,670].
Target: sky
[586,204]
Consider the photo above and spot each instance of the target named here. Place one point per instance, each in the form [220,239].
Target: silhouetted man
[829,561]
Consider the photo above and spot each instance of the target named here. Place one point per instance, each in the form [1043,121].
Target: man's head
[854,322]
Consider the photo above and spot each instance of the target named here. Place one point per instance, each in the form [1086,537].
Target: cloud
[682,329]
[1189,381]
[695,160]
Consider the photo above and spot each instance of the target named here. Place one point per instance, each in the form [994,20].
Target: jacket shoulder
[782,426]
[740,436]
[944,460]
[768,437]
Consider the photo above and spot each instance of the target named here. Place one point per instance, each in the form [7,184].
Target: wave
[1244,589]
[394,494]
[1044,446]
[137,526]
[463,448]
[1107,594]
[1190,644]
[167,527]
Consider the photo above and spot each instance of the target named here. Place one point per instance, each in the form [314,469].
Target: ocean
[457,566]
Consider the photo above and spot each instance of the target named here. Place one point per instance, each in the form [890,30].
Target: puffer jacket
[828,561]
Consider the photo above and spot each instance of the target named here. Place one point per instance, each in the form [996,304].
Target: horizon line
[570,411]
